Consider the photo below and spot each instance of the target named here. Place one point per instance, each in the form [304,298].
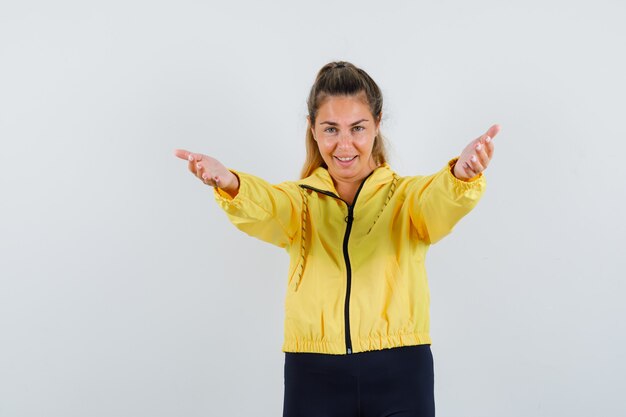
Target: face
[344,131]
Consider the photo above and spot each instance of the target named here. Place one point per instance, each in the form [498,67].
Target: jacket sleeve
[262,210]
[439,201]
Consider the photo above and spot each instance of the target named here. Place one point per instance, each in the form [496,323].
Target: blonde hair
[341,79]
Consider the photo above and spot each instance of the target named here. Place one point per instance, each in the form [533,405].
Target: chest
[330,221]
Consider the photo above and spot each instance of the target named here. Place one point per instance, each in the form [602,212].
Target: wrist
[458,174]
[232,186]
[453,169]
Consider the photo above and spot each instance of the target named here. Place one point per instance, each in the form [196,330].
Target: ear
[380,117]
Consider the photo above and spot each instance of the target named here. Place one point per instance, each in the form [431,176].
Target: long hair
[341,79]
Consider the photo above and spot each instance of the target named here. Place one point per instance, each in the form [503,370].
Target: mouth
[345,159]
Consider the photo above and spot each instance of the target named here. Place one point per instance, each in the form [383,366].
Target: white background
[124,290]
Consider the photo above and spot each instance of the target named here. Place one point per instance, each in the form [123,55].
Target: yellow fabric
[395,221]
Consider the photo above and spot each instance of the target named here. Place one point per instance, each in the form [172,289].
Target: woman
[357,337]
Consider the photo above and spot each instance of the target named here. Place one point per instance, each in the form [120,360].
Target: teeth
[346,159]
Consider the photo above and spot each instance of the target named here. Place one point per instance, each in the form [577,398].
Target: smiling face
[344,131]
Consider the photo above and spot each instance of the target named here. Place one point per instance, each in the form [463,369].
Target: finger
[190,156]
[199,168]
[493,131]
[181,153]
[192,168]
[468,171]
[489,147]
[477,167]
[480,151]
[213,182]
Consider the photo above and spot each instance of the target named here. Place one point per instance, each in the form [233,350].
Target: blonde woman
[357,339]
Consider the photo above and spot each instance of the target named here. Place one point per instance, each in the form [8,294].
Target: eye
[330,130]
[358,128]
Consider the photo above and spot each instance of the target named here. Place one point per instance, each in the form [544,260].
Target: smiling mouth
[346,159]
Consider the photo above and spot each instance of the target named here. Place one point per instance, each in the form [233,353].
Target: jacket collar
[321,180]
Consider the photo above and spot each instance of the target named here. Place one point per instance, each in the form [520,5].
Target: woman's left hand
[476,156]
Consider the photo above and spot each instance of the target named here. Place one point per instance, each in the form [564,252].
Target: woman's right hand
[210,171]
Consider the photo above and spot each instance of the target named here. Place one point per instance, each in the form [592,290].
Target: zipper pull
[350,216]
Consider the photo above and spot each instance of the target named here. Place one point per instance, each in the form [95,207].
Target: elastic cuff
[451,165]
[223,197]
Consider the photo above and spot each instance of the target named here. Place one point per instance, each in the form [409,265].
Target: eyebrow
[337,124]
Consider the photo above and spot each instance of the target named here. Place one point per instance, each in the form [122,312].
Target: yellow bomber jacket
[357,279]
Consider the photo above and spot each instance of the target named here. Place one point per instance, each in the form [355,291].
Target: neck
[346,191]
[347,188]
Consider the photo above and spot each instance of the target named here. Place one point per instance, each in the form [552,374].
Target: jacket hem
[358,345]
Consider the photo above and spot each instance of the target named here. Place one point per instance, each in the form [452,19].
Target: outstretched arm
[476,155]
[210,171]
[269,212]
[439,201]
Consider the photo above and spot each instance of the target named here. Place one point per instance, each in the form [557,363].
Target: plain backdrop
[125,291]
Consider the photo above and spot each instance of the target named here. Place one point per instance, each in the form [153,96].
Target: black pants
[395,382]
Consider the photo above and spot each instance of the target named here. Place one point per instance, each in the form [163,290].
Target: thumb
[493,131]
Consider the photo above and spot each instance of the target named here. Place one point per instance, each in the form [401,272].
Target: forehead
[344,109]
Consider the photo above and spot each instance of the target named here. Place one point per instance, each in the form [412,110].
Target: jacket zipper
[346,256]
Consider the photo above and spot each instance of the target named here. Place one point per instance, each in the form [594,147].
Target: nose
[345,141]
